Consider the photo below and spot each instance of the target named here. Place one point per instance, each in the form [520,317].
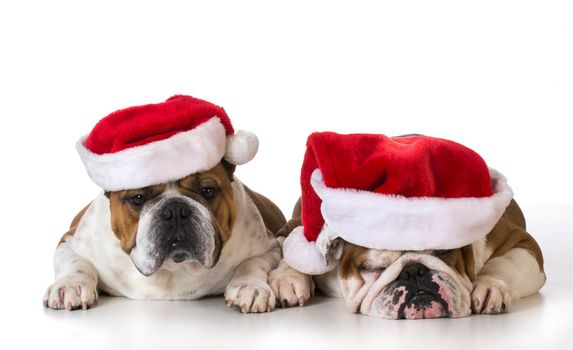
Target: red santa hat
[157,143]
[405,193]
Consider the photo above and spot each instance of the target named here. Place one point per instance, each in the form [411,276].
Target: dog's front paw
[490,296]
[250,295]
[71,292]
[291,287]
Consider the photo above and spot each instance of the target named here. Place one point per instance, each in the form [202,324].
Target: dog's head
[188,220]
[411,285]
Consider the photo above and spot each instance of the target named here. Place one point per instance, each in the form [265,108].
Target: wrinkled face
[410,285]
[186,221]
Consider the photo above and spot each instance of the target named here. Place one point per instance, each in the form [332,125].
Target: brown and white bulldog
[485,277]
[202,235]
[405,227]
[173,222]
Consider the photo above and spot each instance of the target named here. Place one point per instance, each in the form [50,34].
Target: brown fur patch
[272,216]
[353,257]
[510,233]
[294,222]
[74,224]
[462,260]
[124,217]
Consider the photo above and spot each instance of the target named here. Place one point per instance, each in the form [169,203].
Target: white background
[496,76]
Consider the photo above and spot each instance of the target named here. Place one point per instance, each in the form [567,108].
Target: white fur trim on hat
[378,221]
[241,147]
[185,153]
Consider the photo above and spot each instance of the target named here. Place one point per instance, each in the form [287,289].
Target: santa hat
[406,193]
[157,143]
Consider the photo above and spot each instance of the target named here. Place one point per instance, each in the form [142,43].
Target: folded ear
[462,260]
[229,169]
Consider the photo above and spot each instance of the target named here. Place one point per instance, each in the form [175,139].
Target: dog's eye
[370,268]
[137,200]
[208,192]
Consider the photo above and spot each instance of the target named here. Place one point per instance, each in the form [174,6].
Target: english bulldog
[173,221]
[484,277]
[406,227]
[202,235]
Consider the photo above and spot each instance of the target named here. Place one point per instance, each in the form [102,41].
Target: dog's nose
[413,271]
[175,209]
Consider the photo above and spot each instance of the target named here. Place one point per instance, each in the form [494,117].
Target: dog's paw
[490,296]
[250,295]
[291,287]
[71,292]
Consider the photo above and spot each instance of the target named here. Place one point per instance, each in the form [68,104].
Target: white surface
[494,75]
[542,321]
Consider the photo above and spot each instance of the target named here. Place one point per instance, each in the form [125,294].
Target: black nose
[175,209]
[413,271]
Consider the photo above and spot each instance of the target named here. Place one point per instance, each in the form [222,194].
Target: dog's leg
[248,289]
[504,279]
[290,286]
[76,281]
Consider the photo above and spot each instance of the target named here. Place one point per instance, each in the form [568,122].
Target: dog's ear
[229,169]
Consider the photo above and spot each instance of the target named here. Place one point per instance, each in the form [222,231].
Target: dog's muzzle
[413,287]
[176,228]
[416,293]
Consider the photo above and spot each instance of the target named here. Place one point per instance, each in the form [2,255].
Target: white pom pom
[241,147]
[305,256]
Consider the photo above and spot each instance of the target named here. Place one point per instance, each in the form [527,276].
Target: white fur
[246,258]
[398,223]
[76,281]
[241,147]
[506,278]
[248,289]
[291,287]
[158,162]
[511,267]
[481,253]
